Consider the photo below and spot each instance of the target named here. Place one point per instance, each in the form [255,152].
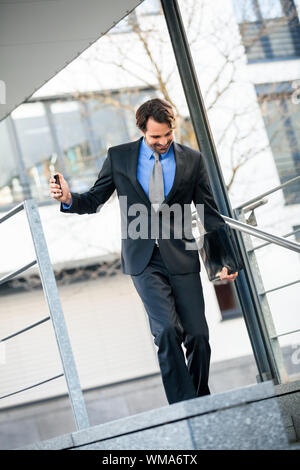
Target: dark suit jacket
[119,171]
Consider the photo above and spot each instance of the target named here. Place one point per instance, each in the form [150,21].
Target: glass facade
[281,114]
[66,135]
[232,88]
[246,56]
[269,30]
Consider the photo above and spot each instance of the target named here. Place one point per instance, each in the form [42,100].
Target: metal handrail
[270,191]
[18,271]
[256,232]
[56,314]
[285,334]
[242,227]
[31,386]
[12,212]
[27,328]
[266,316]
[281,241]
[262,245]
[279,287]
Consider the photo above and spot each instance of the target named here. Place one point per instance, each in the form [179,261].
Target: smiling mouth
[163,148]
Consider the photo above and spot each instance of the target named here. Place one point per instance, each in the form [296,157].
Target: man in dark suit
[153,175]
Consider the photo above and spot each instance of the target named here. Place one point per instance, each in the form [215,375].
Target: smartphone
[56,177]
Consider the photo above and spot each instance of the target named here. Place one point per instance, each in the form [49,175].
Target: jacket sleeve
[88,203]
[217,247]
[212,218]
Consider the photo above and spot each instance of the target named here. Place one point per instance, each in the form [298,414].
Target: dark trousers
[175,308]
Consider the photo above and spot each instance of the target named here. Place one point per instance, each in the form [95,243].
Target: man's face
[158,135]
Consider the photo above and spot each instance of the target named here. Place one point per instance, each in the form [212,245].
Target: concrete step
[245,418]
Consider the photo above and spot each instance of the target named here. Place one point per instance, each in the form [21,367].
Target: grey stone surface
[131,424]
[287,387]
[253,426]
[176,411]
[291,434]
[42,420]
[245,418]
[290,402]
[288,396]
[296,421]
[57,443]
[230,398]
[293,446]
[168,437]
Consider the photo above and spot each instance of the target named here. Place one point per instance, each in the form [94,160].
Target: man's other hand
[63,194]
[225,276]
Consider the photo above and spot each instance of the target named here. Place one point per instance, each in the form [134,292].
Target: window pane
[270,9]
[282,117]
[244,10]
[268,31]
[33,133]
[8,167]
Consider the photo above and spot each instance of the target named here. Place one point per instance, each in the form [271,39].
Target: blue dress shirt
[145,164]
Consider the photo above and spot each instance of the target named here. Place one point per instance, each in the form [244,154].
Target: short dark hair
[160,110]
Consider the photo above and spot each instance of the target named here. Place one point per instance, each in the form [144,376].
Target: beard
[158,148]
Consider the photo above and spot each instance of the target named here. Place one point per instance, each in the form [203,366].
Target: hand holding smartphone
[59,189]
[56,177]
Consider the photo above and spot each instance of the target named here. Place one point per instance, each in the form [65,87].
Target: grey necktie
[156,184]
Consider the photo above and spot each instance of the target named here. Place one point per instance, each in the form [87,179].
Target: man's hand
[225,276]
[63,194]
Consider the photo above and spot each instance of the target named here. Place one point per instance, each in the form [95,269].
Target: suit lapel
[132,164]
[179,172]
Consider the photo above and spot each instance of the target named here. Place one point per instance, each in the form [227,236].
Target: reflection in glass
[66,135]
[282,117]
